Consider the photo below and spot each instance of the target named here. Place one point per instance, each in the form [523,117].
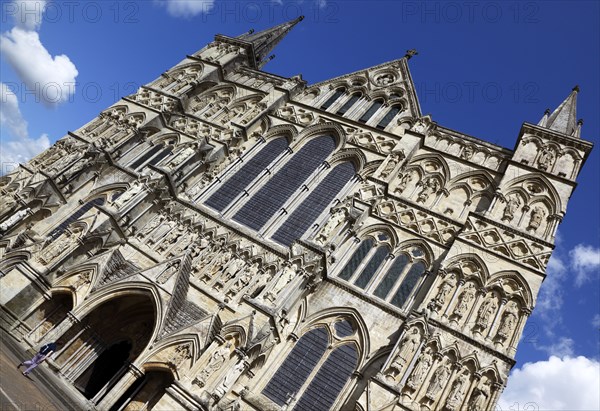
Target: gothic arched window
[392,275]
[408,284]
[313,374]
[348,104]
[357,258]
[376,260]
[389,116]
[152,156]
[271,197]
[338,93]
[249,170]
[76,215]
[369,113]
[313,205]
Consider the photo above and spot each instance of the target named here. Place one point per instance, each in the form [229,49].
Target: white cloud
[556,384]
[596,321]
[10,114]
[564,346]
[585,260]
[321,3]
[186,8]
[52,78]
[550,298]
[27,14]
[15,145]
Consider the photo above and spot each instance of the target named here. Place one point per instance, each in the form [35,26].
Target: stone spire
[564,118]
[265,41]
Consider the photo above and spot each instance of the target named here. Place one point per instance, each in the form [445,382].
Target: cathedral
[230,239]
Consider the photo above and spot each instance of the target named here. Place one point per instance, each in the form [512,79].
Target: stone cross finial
[410,53]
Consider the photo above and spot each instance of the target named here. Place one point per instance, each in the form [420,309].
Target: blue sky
[483,68]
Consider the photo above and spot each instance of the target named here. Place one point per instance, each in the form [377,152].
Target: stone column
[125,381]
[459,286]
[481,292]
[503,302]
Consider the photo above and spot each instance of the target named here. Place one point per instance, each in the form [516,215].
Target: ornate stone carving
[393,161]
[336,219]
[14,219]
[479,397]
[438,381]
[537,216]
[443,292]
[131,192]
[508,322]
[512,205]
[244,278]
[420,371]
[546,158]
[485,313]
[215,362]
[455,396]
[287,275]
[429,186]
[464,302]
[407,347]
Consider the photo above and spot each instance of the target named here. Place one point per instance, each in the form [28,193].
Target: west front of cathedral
[230,239]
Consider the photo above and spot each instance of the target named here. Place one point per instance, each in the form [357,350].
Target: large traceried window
[313,205]
[76,215]
[249,170]
[348,104]
[395,282]
[312,375]
[271,197]
[337,94]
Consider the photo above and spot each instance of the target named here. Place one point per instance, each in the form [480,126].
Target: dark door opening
[103,369]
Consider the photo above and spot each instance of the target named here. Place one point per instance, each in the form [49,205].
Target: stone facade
[229,239]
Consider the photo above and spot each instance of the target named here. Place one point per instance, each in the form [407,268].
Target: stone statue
[537,215]
[419,126]
[456,393]
[479,397]
[485,313]
[430,186]
[508,322]
[216,361]
[420,370]
[233,267]
[512,205]
[546,159]
[287,275]
[406,178]
[217,264]
[335,220]
[408,346]
[438,381]
[182,353]
[464,300]
[384,80]
[467,153]
[245,278]
[230,378]
[445,288]
[170,239]
[57,247]
[392,163]
[85,278]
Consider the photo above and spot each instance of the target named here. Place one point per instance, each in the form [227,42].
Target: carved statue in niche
[485,313]
[420,371]
[408,346]
[216,361]
[168,273]
[152,224]
[170,239]
[231,377]
[181,157]
[546,158]
[445,289]
[335,220]
[7,201]
[405,179]
[479,397]
[537,215]
[131,192]
[245,278]
[182,353]
[287,275]
[395,158]
[464,301]
[430,186]
[217,264]
[508,322]
[467,152]
[455,396]
[182,243]
[233,267]
[384,79]
[258,108]
[512,205]
[438,381]
[59,246]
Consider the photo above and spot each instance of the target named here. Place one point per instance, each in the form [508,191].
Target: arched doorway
[99,349]
[145,392]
